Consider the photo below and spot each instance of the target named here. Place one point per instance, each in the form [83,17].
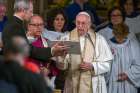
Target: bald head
[83,22]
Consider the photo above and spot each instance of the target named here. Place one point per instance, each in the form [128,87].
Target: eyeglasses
[36,24]
[116,15]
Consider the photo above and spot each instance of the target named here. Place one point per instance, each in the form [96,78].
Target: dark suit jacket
[15,27]
[6,87]
[24,80]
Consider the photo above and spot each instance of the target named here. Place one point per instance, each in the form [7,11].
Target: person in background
[115,19]
[13,71]
[15,26]
[3,20]
[3,17]
[6,87]
[57,21]
[86,69]
[130,8]
[56,24]
[132,16]
[35,29]
[124,75]
[77,6]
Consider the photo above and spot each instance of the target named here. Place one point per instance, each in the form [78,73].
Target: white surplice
[127,60]
[134,25]
[101,64]
[106,33]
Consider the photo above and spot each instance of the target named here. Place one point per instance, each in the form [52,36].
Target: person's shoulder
[10,22]
[38,82]
[102,26]
[138,16]
[131,36]
[32,76]
[13,24]
[8,70]
[105,31]
[100,37]
[14,19]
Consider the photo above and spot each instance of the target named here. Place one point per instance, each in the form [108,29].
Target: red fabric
[31,66]
[34,65]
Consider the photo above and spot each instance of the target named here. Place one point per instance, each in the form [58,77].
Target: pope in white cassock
[85,71]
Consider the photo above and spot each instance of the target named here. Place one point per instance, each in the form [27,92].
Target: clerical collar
[31,39]
[115,41]
[18,17]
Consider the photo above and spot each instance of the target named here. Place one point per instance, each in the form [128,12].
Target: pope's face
[82,24]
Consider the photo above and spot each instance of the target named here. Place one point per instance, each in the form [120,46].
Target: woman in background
[132,16]
[124,75]
[57,21]
[56,24]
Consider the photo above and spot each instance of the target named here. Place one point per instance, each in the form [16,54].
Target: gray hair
[21,5]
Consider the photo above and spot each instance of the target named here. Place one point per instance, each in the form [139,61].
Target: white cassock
[134,25]
[106,33]
[127,60]
[99,55]
[52,35]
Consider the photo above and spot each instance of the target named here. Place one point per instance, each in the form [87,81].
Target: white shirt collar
[18,17]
